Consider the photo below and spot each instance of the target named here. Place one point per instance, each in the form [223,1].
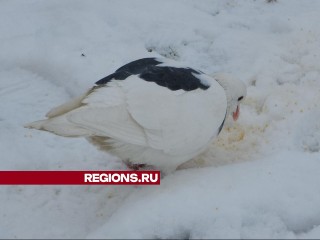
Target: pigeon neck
[223,82]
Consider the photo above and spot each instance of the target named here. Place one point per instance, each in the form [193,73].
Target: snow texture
[259,179]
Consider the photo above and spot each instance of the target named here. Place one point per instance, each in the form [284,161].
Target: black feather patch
[170,77]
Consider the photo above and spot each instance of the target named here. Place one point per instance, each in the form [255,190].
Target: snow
[259,179]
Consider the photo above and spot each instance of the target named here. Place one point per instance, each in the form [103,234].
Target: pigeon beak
[236,114]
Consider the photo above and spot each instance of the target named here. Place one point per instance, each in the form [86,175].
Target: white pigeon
[151,111]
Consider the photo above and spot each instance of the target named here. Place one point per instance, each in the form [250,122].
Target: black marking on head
[240,98]
[171,77]
[221,126]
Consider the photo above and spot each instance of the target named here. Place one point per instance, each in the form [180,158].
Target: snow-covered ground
[259,179]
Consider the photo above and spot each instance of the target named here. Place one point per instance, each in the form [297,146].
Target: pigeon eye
[240,98]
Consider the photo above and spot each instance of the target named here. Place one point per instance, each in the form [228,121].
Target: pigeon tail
[60,126]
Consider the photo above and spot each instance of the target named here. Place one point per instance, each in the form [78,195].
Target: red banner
[79,177]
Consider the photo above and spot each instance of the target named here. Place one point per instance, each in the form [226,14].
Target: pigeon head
[236,91]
